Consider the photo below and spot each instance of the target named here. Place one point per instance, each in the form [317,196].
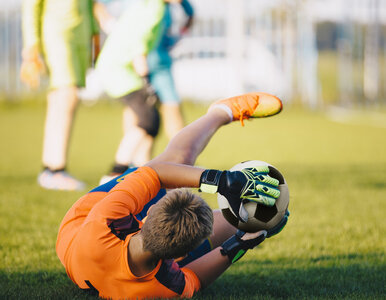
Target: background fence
[318,51]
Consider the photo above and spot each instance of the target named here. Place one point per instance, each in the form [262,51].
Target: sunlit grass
[332,247]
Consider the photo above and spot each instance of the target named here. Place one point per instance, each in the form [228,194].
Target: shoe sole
[267,107]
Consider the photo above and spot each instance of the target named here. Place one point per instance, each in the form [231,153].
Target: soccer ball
[260,217]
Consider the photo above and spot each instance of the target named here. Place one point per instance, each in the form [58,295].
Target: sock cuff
[225,108]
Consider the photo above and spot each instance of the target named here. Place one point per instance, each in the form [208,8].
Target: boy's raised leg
[185,147]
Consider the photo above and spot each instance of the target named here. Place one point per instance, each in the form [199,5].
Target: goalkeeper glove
[250,184]
[279,227]
[235,247]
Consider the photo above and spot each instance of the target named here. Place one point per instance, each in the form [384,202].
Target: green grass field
[332,248]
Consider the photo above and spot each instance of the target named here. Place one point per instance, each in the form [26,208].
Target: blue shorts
[162,81]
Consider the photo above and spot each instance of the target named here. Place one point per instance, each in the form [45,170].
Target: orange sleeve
[192,283]
[129,196]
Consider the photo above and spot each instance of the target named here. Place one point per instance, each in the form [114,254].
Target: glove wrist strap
[233,247]
[209,181]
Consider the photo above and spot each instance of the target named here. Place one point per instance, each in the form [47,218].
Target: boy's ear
[149,209]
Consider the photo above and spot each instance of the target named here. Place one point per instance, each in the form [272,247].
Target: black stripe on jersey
[124,226]
[91,290]
[171,276]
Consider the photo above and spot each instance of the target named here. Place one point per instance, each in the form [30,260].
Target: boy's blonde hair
[177,224]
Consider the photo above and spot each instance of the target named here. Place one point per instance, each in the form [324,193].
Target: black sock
[53,170]
[119,169]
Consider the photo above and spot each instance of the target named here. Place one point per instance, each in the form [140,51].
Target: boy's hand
[238,187]
[140,65]
[32,67]
[236,246]
[187,26]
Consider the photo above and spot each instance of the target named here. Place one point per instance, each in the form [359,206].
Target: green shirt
[70,19]
[136,32]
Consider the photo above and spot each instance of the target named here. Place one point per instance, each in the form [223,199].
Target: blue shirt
[160,56]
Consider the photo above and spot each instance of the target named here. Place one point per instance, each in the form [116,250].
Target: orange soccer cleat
[251,105]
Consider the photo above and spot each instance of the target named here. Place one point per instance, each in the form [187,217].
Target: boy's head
[177,224]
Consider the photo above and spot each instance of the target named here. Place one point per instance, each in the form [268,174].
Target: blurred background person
[57,34]
[160,70]
[123,66]
[159,60]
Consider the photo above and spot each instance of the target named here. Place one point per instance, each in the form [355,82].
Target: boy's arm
[104,19]
[210,266]
[236,186]
[173,175]
[140,65]
[188,9]
[129,196]
[32,64]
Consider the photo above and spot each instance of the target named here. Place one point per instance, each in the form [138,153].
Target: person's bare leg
[171,118]
[173,166]
[192,139]
[143,152]
[132,137]
[61,106]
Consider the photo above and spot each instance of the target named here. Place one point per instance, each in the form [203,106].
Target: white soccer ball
[260,217]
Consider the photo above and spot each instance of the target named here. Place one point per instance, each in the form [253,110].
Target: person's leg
[171,118]
[192,139]
[129,146]
[140,126]
[61,106]
[161,79]
[132,137]
[144,150]
[66,75]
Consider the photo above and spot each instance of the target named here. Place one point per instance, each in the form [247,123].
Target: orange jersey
[94,236]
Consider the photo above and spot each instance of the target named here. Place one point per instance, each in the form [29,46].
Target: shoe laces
[244,114]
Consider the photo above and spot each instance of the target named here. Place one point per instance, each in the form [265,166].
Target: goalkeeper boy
[123,238]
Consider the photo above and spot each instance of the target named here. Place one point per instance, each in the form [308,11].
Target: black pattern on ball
[230,217]
[264,213]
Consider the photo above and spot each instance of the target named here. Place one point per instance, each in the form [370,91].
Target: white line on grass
[356,117]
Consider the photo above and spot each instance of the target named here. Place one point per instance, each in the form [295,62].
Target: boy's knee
[144,107]
[184,157]
[150,121]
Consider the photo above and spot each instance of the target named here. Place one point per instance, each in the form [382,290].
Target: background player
[160,73]
[106,245]
[61,33]
[122,64]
